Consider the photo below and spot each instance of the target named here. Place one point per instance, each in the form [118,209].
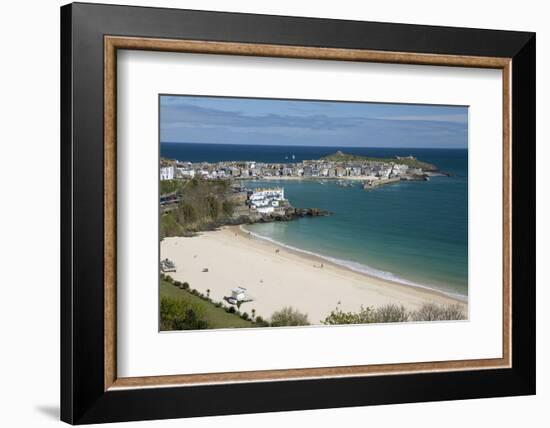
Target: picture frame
[91,390]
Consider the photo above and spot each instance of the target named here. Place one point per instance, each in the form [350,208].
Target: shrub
[168,186]
[391,313]
[435,312]
[366,315]
[396,313]
[260,322]
[231,309]
[177,314]
[288,316]
[245,316]
[453,312]
[185,286]
[169,225]
[177,284]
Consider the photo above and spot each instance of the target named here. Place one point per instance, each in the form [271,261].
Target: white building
[239,294]
[399,169]
[166,172]
[187,172]
[384,172]
[265,201]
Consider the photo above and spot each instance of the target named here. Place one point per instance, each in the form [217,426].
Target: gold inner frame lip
[112,43]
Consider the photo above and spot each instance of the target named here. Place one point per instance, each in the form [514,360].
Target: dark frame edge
[82,398]
[524,214]
[66,130]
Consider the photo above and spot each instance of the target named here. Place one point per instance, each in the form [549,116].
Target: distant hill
[340,156]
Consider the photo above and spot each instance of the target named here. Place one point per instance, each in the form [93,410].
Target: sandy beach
[276,276]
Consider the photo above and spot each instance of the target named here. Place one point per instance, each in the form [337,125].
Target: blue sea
[412,232]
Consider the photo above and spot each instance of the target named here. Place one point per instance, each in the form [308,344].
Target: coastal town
[211,201]
[290,213]
[372,172]
[250,204]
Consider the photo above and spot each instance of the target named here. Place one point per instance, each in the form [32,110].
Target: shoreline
[277,276]
[345,264]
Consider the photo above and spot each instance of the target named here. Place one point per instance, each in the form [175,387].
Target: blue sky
[219,120]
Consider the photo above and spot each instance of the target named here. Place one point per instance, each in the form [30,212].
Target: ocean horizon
[413,232]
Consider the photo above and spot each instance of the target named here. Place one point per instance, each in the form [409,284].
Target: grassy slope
[216,317]
[346,157]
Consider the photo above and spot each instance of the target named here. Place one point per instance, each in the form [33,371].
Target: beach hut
[167,266]
[239,294]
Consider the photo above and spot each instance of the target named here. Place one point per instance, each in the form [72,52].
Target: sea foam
[358,267]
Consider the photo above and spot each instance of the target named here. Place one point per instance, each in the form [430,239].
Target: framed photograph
[266,213]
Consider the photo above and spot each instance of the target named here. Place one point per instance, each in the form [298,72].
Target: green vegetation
[184,308]
[177,301]
[396,313]
[180,314]
[348,157]
[288,316]
[204,205]
[433,312]
[169,226]
[169,186]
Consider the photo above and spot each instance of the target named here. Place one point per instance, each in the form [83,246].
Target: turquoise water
[414,232]
[411,230]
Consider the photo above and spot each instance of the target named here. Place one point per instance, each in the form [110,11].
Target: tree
[213,206]
[187,213]
[227,208]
